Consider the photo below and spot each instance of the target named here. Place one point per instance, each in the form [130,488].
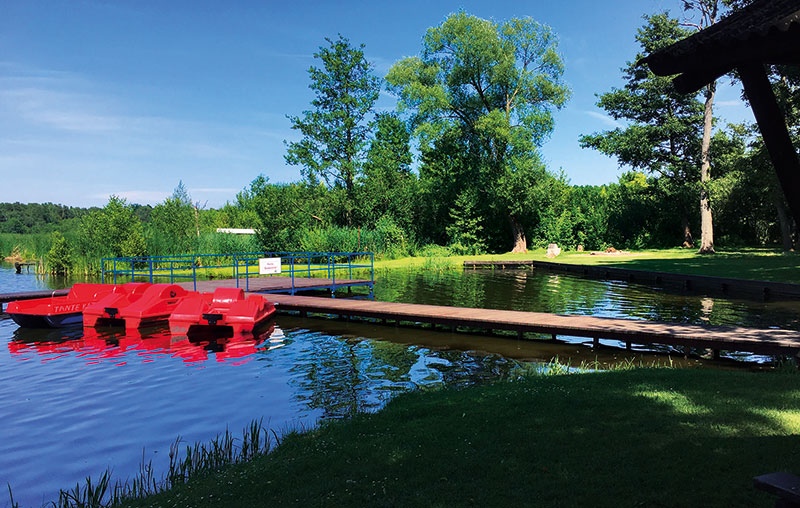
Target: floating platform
[628,331]
[745,287]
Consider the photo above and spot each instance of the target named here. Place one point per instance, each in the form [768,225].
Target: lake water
[73,405]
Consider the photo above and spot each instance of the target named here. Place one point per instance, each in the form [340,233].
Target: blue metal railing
[244,265]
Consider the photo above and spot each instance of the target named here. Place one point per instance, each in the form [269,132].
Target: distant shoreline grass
[753,264]
[640,437]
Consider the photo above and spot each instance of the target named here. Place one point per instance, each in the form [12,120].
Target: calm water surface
[73,405]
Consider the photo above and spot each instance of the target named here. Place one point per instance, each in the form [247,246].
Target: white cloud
[605,119]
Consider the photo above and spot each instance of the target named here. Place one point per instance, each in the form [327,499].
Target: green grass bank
[641,437]
[754,264]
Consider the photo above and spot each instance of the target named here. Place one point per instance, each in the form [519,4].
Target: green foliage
[488,88]
[335,132]
[466,229]
[113,231]
[31,218]
[172,228]
[388,187]
[59,258]
[663,135]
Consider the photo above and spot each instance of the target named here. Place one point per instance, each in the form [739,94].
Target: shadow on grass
[645,437]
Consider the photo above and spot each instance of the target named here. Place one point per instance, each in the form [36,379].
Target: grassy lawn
[642,437]
[756,264]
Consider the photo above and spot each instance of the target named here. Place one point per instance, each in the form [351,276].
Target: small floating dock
[629,331]
[744,287]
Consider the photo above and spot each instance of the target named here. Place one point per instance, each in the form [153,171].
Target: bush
[59,258]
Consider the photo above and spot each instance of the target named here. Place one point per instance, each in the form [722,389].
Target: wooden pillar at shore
[773,128]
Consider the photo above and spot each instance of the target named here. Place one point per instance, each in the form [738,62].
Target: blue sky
[128,98]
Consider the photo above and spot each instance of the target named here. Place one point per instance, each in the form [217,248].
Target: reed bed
[185,463]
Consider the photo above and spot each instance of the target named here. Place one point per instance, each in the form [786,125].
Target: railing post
[115,271]
[194,275]
[132,272]
[102,274]
[291,260]
[171,271]
[150,260]
[350,265]
[333,289]
[371,274]
[236,270]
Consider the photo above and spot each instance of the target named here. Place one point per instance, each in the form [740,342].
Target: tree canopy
[336,130]
[493,87]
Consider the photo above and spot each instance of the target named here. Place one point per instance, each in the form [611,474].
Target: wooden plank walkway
[763,341]
[729,285]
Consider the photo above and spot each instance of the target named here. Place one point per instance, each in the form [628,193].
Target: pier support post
[715,354]
[595,342]
[627,345]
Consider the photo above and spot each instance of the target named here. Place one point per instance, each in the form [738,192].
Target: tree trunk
[784,221]
[688,241]
[518,235]
[706,221]
[196,220]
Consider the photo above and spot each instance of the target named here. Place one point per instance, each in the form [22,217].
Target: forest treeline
[457,167]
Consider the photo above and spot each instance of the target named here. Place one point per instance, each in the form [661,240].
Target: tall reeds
[184,463]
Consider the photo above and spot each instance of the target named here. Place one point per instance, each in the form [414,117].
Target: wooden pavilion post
[774,131]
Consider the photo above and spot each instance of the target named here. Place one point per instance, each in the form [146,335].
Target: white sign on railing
[269,265]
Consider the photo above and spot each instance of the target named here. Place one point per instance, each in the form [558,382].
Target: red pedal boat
[136,304]
[226,307]
[57,311]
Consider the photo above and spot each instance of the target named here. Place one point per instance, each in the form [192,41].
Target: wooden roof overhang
[765,32]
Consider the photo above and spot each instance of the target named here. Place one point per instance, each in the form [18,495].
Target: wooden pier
[744,287]
[629,331]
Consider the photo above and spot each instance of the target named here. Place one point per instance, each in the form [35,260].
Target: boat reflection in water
[115,345]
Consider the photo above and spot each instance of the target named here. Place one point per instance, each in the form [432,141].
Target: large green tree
[664,132]
[336,130]
[708,11]
[388,185]
[113,231]
[494,85]
[173,223]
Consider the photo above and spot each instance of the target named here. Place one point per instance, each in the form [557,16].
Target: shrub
[59,258]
